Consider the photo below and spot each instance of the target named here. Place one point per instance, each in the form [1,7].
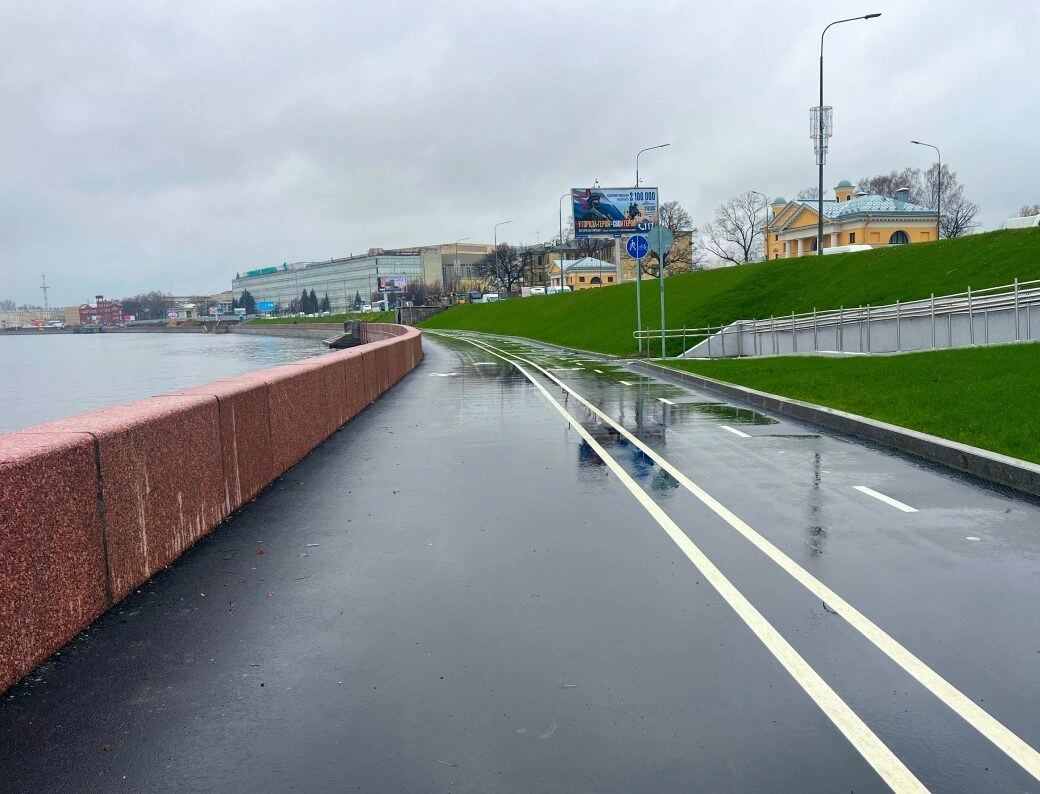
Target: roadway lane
[487,607]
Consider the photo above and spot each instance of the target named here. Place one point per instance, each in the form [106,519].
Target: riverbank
[93,505]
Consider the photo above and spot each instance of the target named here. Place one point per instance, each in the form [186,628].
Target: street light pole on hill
[822,131]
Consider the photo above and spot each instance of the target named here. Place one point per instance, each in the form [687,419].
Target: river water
[50,376]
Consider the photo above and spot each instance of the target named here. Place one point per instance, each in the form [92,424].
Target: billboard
[612,211]
[265,306]
[392,283]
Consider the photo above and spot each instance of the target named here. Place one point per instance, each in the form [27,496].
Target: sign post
[637,248]
[661,241]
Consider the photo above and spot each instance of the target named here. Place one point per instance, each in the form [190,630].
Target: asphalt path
[525,570]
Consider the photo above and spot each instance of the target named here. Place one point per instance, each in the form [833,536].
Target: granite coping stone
[161,479]
[52,549]
[244,406]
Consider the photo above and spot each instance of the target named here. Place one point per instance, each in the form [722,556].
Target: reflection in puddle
[728,413]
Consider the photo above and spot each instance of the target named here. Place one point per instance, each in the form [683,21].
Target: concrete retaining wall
[94,505]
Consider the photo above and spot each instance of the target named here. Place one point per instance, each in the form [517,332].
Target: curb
[991,466]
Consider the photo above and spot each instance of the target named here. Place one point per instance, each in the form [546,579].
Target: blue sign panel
[265,306]
[637,246]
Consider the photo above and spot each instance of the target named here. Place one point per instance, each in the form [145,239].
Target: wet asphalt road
[456,593]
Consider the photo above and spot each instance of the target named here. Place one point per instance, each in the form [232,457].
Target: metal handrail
[1015,295]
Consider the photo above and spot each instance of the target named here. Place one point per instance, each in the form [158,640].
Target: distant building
[585,273]
[343,280]
[851,218]
[101,312]
[1024,222]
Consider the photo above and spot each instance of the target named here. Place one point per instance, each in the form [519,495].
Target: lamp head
[872,16]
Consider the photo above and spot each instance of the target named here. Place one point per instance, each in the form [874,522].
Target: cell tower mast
[44,287]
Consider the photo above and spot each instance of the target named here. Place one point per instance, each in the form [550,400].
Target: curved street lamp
[938,189]
[647,149]
[498,275]
[821,154]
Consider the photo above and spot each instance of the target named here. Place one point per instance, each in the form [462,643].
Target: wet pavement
[459,592]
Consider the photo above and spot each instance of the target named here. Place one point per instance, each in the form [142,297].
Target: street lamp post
[456,268]
[639,265]
[765,223]
[566,195]
[498,274]
[821,153]
[938,188]
[647,149]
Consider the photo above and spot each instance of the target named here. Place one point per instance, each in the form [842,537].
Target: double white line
[887,765]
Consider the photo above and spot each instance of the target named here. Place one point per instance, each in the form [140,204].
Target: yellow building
[851,218]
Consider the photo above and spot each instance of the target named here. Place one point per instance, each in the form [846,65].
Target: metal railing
[764,337]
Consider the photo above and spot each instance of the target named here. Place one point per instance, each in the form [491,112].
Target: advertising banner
[265,306]
[612,211]
[392,283]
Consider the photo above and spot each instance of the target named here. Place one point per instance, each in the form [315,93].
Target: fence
[996,315]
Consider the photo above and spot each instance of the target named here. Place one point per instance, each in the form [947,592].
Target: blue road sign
[637,246]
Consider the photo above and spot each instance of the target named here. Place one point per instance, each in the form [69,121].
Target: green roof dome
[779,200]
[844,183]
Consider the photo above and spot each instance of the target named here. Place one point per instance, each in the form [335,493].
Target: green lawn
[985,397]
[335,319]
[603,319]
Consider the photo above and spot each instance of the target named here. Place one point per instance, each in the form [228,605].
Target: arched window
[594,280]
[899,238]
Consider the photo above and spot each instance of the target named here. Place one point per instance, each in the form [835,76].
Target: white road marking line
[734,431]
[625,383]
[874,751]
[443,374]
[981,720]
[598,370]
[666,401]
[888,500]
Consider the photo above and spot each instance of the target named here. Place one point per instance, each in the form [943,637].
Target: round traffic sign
[637,246]
[661,240]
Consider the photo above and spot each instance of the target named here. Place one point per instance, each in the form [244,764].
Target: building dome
[844,183]
[779,200]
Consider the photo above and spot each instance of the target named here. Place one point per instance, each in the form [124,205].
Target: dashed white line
[625,383]
[598,370]
[666,401]
[985,723]
[734,431]
[874,751]
[888,500]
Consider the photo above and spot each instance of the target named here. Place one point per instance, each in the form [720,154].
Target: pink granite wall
[93,505]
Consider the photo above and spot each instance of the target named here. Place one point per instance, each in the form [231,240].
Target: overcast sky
[166,145]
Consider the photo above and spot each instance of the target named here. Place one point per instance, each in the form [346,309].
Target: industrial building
[438,268]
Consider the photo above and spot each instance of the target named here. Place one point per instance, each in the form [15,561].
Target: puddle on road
[728,413]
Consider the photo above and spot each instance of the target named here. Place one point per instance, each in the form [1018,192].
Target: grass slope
[603,319]
[985,397]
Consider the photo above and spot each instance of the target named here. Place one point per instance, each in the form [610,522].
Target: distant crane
[44,288]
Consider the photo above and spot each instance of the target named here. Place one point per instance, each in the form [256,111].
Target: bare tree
[7,305]
[809,193]
[1029,210]
[958,214]
[735,234]
[683,256]
[888,184]
[502,268]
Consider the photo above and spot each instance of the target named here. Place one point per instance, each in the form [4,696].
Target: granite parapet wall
[94,505]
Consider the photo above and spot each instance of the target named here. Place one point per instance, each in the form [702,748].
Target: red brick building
[101,312]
